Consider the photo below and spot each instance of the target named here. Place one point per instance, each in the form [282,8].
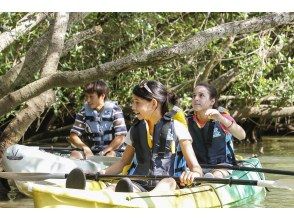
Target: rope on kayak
[189,193]
[255,166]
[171,195]
[218,197]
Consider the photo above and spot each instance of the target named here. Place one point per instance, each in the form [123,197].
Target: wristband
[230,125]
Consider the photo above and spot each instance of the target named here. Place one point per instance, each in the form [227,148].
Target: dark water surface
[274,153]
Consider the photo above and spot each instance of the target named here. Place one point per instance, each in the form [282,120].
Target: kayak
[21,158]
[205,195]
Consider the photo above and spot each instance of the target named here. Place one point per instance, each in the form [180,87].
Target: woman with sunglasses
[156,144]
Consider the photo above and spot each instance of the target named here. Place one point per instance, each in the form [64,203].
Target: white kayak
[21,158]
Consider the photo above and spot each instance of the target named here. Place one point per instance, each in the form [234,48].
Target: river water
[274,153]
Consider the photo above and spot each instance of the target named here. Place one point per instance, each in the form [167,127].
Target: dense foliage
[263,61]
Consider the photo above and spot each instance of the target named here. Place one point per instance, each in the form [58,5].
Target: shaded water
[274,153]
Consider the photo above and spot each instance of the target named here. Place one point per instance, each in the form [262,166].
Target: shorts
[210,170]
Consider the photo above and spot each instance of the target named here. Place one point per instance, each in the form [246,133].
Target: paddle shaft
[254,169]
[282,183]
[229,181]
[69,149]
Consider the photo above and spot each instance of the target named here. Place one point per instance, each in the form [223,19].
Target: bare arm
[235,129]
[77,142]
[190,157]
[114,144]
[187,177]
[126,159]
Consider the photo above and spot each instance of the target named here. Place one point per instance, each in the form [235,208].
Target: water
[274,153]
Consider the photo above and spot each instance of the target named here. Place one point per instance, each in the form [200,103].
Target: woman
[156,144]
[212,128]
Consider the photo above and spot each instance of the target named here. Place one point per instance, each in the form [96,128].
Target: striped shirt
[80,127]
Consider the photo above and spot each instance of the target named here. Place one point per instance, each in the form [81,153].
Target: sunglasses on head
[143,84]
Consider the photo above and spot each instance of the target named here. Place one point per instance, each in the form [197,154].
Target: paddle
[60,149]
[281,183]
[32,176]
[79,177]
[254,169]
[69,149]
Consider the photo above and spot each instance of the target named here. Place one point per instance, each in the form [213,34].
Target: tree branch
[158,56]
[216,59]
[226,79]
[263,112]
[24,71]
[24,25]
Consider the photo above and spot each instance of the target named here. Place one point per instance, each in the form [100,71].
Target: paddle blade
[281,183]
[31,176]
[285,183]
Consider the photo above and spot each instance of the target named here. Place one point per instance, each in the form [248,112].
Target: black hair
[152,89]
[100,87]
[212,92]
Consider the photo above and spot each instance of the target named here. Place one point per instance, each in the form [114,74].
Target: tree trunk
[37,105]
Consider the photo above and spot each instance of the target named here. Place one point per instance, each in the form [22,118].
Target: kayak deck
[21,158]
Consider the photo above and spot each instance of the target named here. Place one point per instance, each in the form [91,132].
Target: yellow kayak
[200,196]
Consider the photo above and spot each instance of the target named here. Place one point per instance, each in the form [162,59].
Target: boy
[99,126]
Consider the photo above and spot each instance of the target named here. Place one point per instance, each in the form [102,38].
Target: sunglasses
[143,84]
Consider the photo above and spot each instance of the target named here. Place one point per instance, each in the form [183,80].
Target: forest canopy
[47,58]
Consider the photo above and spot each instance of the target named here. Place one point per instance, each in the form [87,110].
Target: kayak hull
[201,196]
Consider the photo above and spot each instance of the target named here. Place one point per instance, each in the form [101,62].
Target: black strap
[234,161]
[163,137]
[164,130]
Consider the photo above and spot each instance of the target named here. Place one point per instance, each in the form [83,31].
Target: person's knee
[220,173]
[110,154]
[166,184]
[76,155]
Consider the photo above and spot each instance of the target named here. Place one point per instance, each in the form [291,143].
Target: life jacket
[211,144]
[164,157]
[99,125]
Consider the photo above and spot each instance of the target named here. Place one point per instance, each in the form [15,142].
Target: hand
[213,114]
[101,153]
[87,151]
[187,177]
